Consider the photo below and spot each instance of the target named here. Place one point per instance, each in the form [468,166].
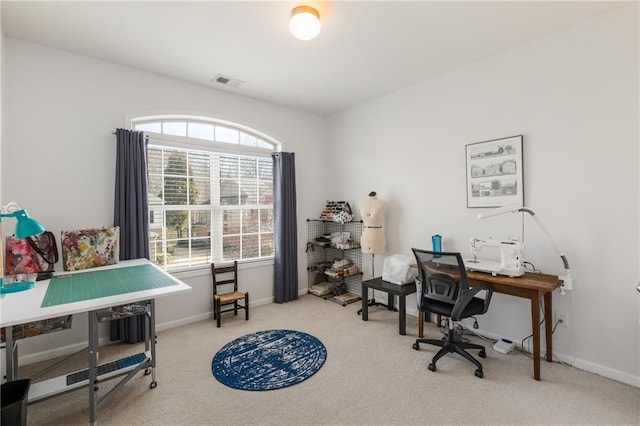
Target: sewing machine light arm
[514,208]
[555,247]
[566,278]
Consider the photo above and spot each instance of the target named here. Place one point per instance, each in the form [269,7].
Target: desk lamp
[25,227]
[515,208]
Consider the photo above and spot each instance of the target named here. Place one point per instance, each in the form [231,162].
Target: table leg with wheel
[93,364]
[152,340]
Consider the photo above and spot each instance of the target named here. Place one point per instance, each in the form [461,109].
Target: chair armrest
[467,296]
[419,292]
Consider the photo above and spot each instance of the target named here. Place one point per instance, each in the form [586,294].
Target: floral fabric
[23,259]
[90,248]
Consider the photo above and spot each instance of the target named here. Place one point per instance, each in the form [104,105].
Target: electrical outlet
[563,317]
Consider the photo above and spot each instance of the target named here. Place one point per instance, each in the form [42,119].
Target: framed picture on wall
[494,172]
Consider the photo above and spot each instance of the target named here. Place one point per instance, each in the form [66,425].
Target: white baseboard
[578,363]
[35,357]
[610,373]
[45,355]
[600,370]
[204,316]
[581,364]
[184,321]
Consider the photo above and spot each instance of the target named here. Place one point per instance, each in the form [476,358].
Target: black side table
[400,290]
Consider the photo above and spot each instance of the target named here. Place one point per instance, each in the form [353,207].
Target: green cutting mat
[102,283]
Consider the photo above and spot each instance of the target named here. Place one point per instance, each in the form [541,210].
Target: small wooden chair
[221,299]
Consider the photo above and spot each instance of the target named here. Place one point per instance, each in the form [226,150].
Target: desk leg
[93,364]
[365,304]
[548,329]
[535,326]
[390,302]
[402,301]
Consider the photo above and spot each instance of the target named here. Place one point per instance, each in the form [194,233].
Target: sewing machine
[511,257]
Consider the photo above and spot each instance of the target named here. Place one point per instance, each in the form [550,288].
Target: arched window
[210,191]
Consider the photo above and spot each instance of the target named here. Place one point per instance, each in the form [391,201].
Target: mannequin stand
[372,301]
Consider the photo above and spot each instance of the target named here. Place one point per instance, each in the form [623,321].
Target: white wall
[574,97]
[2,351]
[1,54]
[61,110]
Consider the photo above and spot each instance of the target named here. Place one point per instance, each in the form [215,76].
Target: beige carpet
[372,376]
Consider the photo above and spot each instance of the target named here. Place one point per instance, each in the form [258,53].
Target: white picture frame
[494,172]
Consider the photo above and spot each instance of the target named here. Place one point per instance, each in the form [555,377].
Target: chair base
[218,311]
[449,345]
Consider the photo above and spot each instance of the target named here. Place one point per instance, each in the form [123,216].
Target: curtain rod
[145,136]
[113,133]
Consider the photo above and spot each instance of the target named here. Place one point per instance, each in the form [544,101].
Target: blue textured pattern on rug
[270,359]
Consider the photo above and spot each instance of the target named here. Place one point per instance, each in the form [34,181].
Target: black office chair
[443,288]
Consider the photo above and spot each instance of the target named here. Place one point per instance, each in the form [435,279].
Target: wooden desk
[529,286]
[400,290]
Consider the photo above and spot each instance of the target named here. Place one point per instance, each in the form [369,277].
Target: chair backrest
[227,280]
[442,274]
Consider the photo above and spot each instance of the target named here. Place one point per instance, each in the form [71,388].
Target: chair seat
[230,297]
[475,307]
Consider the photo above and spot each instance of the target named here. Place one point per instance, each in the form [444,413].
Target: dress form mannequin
[372,240]
[372,210]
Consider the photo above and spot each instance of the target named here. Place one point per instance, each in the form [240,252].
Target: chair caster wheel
[153,385]
[147,371]
[479,373]
[416,346]
[482,354]
[431,367]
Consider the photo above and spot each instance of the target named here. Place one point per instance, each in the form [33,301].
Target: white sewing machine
[511,257]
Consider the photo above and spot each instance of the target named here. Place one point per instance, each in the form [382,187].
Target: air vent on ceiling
[227,81]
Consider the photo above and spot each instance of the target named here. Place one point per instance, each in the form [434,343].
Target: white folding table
[27,306]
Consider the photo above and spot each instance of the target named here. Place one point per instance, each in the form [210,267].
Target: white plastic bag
[397,269]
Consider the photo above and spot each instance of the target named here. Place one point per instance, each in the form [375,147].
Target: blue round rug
[270,359]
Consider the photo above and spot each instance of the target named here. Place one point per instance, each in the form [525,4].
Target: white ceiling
[365,49]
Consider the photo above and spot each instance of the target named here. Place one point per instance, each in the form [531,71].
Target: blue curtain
[131,211]
[285,228]
[131,214]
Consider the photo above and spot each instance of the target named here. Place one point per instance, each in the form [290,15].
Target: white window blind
[207,206]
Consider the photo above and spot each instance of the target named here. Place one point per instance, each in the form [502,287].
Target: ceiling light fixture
[304,23]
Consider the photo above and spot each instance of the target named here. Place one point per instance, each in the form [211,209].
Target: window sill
[206,270]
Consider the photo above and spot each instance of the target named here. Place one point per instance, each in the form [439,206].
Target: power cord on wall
[527,350]
[530,267]
[475,333]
